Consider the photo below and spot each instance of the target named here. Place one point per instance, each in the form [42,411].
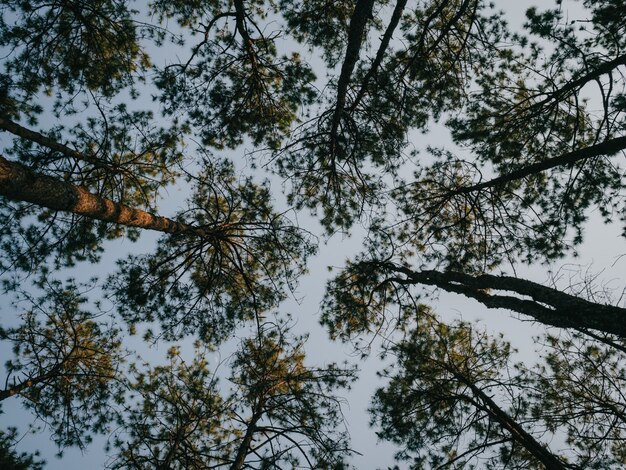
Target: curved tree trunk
[545,304]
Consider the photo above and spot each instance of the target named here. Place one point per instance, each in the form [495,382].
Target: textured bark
[19,183]
[546,304]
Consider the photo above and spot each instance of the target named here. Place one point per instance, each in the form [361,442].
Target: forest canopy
[170,171]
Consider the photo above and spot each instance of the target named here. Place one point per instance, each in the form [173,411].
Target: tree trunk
[20,183]
[358,21]
[382,49]
[518,433]
[242,450]
[548,305]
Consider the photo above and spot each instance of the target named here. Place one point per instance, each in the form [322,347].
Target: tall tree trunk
[242,450]
[20,183]
[358,21]
[382,49]
[518,433]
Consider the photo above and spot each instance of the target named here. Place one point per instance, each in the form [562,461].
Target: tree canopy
[220,126]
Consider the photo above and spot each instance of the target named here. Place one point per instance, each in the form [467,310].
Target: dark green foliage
[72,45]
[235,262]
[580,393]
[511,104]
[344,158]
[531,107]
[174,417]
[66,361]
[536,123]
[456,399]
[320,23]
[233,83]
[12,460]
[363,300]
[278,412]
[272,380]
[434,405]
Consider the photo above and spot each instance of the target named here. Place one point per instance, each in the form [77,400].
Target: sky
[599,254]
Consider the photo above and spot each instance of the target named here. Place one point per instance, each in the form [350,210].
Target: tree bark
[382,49]
[240,19]
[358,21]
[20,183]
[546,304]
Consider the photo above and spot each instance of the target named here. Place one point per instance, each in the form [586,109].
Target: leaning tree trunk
[545,304]
[20,183]
[517,432]
[244,446]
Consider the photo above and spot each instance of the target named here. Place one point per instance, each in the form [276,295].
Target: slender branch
[425,29]
[475,449]
[603,339]
[604,68]
[608,147]
[205,39]
[38,138]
